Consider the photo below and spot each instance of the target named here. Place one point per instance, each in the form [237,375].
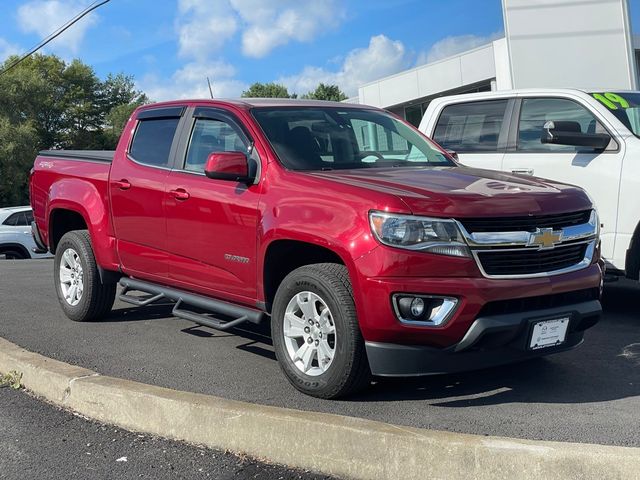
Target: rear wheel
[81,294]
[316,334]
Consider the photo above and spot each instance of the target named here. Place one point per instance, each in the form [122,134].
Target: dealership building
[547,43]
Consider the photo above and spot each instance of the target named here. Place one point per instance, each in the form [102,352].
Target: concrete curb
[337,445]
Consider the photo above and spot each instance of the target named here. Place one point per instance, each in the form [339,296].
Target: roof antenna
[210,89]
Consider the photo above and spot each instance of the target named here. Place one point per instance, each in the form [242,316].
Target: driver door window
[211,136]
[535,112]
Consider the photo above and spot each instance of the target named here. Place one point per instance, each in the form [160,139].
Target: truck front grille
[530,262]
[525,224]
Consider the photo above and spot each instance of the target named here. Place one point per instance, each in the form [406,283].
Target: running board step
[205,320]
[156,292]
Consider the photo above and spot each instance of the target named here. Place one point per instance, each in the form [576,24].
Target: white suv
[16,240]
[589,139]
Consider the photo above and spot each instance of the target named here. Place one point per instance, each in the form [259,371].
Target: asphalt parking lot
[589,395]
[41,441]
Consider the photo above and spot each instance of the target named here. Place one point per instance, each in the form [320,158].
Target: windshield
[327,138]
[625,106]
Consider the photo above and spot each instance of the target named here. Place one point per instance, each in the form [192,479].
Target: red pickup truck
[369,249]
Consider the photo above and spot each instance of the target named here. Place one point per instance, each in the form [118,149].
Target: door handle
[523,171]
[122,184]
[180,194]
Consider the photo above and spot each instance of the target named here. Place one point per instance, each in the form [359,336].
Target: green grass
[12,380]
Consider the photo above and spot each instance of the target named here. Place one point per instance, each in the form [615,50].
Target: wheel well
[284,256]
[8,247]
[632,262]
[61,222]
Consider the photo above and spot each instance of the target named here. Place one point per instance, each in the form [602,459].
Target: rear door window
[471,127]
[152,141]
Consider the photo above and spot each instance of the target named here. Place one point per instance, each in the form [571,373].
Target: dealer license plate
[549,333]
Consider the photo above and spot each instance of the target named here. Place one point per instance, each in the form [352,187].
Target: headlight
[433,235]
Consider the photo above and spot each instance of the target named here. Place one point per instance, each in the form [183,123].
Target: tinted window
[152,141]
[535,112]
[19,219]
[11,220]
[211,136]
[332,138]
[471,127]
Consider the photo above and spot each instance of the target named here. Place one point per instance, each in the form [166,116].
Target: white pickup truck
[589,139]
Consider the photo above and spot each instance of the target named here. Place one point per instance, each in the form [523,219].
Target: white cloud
[43,17]
[270,24]
[191,82]
[450,46]
[7,49]
[204,26]
[382,57]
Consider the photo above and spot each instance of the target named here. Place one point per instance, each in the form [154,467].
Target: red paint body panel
[148,231]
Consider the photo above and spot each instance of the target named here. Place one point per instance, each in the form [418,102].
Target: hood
[465,192]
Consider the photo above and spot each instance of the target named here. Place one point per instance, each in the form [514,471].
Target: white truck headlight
[433,235]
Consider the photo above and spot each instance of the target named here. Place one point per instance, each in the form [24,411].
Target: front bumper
[490,341]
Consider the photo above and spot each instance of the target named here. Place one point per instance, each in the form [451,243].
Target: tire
[345,368]
[14,255]
[92,299]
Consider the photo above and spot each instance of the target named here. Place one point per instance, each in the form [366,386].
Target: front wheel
[81,293]
[316,334]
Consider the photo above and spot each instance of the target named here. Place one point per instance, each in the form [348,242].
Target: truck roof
[523,91]
[248,103]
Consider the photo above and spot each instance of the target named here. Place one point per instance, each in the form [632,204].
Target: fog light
[424,310]
[417,307]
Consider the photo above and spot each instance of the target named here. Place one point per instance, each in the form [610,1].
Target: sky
[171,46]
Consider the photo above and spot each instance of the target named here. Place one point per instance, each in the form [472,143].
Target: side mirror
[569,133]
[233,166]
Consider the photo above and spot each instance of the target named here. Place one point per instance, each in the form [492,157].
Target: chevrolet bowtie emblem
[545,238]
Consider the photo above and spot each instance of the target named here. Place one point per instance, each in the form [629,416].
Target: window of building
[211,136]
[471,127]
[535,112]
[152,141]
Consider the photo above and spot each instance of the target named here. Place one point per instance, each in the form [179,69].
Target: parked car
[367,246]
[589,139]
[16,241]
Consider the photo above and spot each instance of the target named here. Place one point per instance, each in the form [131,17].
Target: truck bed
[95,155]
[74,180]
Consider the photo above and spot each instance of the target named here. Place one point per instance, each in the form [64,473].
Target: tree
[326,92]
[17,152]
[267,90]
[45,103]
[118,98]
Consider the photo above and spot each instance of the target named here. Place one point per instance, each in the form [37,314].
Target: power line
[55,34]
